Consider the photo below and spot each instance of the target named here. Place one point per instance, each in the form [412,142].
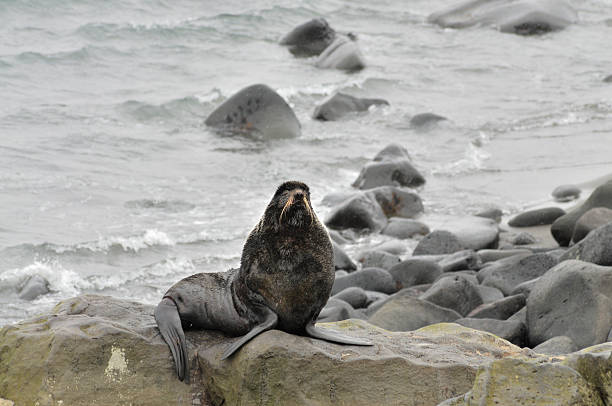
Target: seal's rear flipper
[333,336]
[169,323]
[268,324]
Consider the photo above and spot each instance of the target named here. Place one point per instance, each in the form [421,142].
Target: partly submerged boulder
[256,109]
[523,17]
[341,104]
[310,38]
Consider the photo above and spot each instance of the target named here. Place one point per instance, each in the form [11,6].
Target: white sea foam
[473,160]
[61,280]
[149,238]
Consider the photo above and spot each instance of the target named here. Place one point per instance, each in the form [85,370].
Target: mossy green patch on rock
[90,350]
[580,378]
[595,366]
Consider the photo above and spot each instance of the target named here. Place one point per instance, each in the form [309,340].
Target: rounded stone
[438,242]
[537,217]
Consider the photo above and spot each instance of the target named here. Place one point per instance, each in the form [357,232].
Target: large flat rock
[422,367]
[100,350]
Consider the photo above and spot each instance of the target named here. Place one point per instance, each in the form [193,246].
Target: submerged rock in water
[425,120]
[391,166]
[341,104]
[256,109]
[343,53]
[566,193]
[310,38]
[397,202]
[361,212]
[34,287]
[523,17]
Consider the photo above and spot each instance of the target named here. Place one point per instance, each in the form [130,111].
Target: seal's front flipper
[269,322]
[333,336]
[169,323]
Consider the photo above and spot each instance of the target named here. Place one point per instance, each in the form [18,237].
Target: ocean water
[110,182]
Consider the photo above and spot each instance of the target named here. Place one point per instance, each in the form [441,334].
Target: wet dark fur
[289,266]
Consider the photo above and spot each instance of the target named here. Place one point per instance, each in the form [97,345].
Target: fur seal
[285,278]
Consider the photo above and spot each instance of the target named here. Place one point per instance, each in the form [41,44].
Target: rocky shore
[479,312]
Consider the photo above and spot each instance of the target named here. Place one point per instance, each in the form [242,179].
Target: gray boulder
[336,310]
[310,38]
[470,276]
[335,198]
[398,172]
[460,260]
[356,297]
[341,259]
[500,310]
[378,259]
[511,330]
[489,294]
[374,297]
[563,228]
[438,242]
[524,17]
[341,104]
[404,228]
[368,279]
[591,220]
[359,212]
[397,202]
[508,273]
[256,109]
[524,288]
[474,232]
[556,346]
[392,152]
[423,120]
[487,256]
[343,53]
[595,247]
[454,292]
[493,213]
[414,271]
[34,287]
[404,312]
[573,299]
[536,217]
[566,193]
[608,79]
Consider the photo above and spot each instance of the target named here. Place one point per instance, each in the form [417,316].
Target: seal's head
[290,208]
